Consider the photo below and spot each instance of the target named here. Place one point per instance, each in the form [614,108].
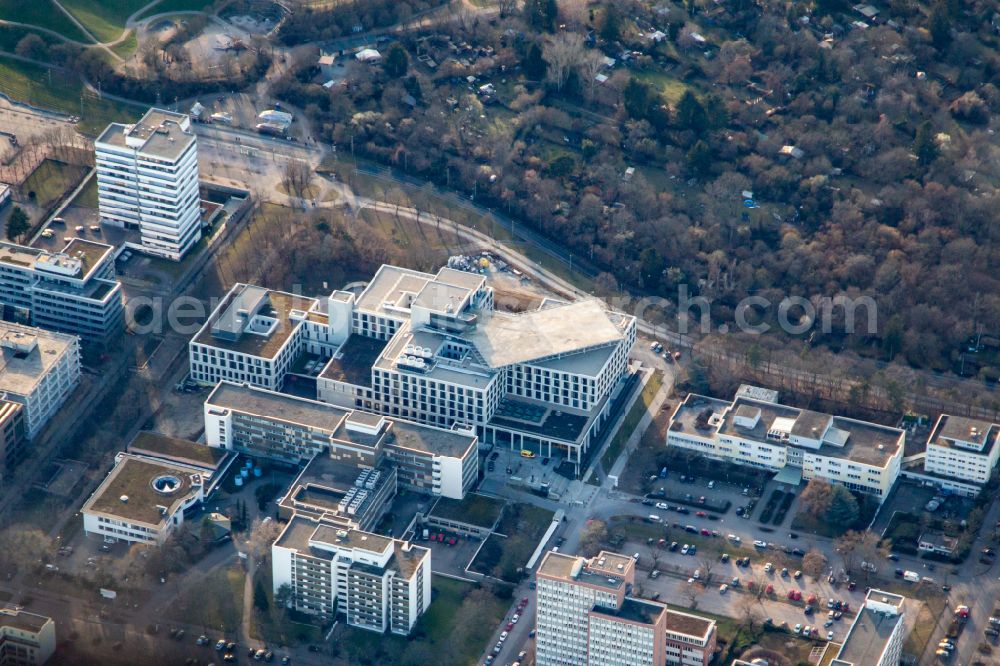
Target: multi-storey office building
[152,488]
[798,443]
[585,616]
[38,369]
[147,179]
[962,448]
[294,430]
[12,437]
[876,636]
[253,336]
[73,291]
[431,348]
[375,582]
[26,639]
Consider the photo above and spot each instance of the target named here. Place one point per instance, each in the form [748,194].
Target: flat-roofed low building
[375,582]
[290,429]
[26,639]
[152,489]
[342,495]
[798,443]
[876,636]
[962,448]
[38,369]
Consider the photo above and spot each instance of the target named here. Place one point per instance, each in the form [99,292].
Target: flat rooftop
[868,637]
[406,560]
[504,338]
[133,478]
[323,483]
[375,543]
[280,304]
[392,287]
[159,131]
[277,406]
[562,423]
[948,429]
[634,610]
[296,536]
[688,624]
[430,440]
[557,565]
[27,354]
[22,620]
[866,443]
[354,360]
[179,450]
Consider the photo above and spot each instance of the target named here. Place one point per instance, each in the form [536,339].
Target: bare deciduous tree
[563,53]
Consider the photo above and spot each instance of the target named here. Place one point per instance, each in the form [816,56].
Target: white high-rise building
[38,369]
[147,179]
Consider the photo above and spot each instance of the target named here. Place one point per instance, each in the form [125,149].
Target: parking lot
[528,473]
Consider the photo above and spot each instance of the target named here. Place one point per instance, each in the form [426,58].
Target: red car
[510,626]
[700,514]
[811,599]
[452,541]
[441,537]
[524,601]
[770,589]
[791,594]
[705,532]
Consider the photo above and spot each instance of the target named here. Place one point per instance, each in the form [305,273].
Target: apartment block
[73,291]
[586,616]
[431,348]
[295,430]
[12,437]
[38,369]
[152,488]
[374,582]
[147,179]
[876,636]
[26,639]
[754,429]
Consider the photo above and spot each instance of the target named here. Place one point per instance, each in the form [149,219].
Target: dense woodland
[894,194]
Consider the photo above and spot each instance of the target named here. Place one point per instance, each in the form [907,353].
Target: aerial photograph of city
[500,332]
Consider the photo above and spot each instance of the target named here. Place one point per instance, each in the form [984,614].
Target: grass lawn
[51,180]
[10,35]
[53,89]
[127,46]
[87,198]
[42,13]
[671,88]
[923,628]
[165,6]
[635,414]
[523,525]
[454,630]
[475,509]
[216,603]
[104,19]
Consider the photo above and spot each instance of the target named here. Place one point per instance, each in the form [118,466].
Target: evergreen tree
[396,61]
[843,511]
[699,158]
[534,64]
[691,114]
[940,26]
[636,98]
[924,145]
[260,598]
[611,28]
[18,224]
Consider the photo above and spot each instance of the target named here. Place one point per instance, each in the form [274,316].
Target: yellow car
[525,453]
